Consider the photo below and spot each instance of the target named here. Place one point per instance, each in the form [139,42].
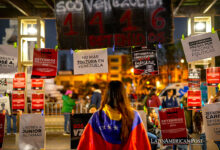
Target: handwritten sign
[83,24]
[201,46]
[145,61]
[90,61]
[194,100]
[194,78]
[213,76]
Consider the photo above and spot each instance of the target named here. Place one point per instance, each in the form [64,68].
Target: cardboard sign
[211,120]
[31,131]
[3,85]
[37,101]
[78,123]
[201,46]
[173,125]
[90,61]
[2,129]
[37,84]
[83,24]
[194,78]
[5,104]
[194,100]
[18,101]
[145,62]
[19,81]
[44,63]
[213,76]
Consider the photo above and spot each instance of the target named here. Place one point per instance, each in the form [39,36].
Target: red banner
[213,76]
[37,84]
[2,125]
[194,100]
[173,123]
[44,63]
[18,101]
[37,102]
[19,81]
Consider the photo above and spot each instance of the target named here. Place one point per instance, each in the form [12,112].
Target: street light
[132,70]
[182,60]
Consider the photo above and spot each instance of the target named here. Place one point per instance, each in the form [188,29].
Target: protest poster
[8,60]
[211,120]
[90,61]
[19,81]
[18,101]
[145,61]
[201,46]
[44,63]
[37,84]
[2,129]
[173,124]
[83,24]
[5,104]
[78,122]
[194,99]
[194,78]
[3,85]
[213,76]
[37,101]
[31,132]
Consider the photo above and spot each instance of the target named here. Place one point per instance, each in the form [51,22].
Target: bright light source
[200,27]
[132,70]
[32,30]
[148,82]
[182,60]
[158,83]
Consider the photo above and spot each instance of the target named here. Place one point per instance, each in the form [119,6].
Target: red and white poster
[18,101]
[37,84]
[19,81]
[194,78]
[213,76]
[37,101]
[173,125]
[44,63]
[2,125]
[194,100]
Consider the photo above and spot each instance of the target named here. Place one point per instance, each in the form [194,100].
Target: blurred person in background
[68,104]
[170,100]
[96,96]
[116,126]
[92,109]
[151,99]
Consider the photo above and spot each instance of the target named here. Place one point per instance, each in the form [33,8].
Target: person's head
[151,112]
[116,97]
[170,92]
[92,109]
[148,90]
[94,87]
[69,93]
[153,91]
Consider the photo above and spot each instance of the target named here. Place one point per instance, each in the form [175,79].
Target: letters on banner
[211,120]
[37,101]
[31,131]
[194,99]
[44,63]
[213,76]
[19,81]
[90,61]
[173,124]
[201,46]
[18,101]
[194,78]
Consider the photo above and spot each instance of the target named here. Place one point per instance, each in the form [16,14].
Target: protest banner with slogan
[5,105]
[213,76]
[3,85]
[145,61]
[8,61]
[19,81]
[194,100]
[83,24]
[31,131]
[2,129]
[18,101]
[194,78]
[211,120]
[78,123]
[90,61]
[173,125]
[37,101]
[37,84]
[201,46]
[44,63]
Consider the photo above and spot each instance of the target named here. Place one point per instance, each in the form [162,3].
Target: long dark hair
[198,121]
[116,97]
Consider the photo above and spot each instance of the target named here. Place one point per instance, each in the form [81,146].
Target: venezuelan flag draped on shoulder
[104,133]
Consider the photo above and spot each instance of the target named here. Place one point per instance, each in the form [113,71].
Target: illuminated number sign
[83,24]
